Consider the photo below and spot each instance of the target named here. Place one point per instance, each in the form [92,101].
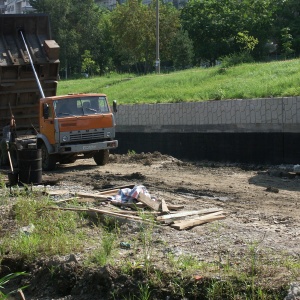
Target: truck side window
[47,111]
[103,107]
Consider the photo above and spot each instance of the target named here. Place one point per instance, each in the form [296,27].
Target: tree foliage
[134,33]
[182,54]
[124,39]
[76,27]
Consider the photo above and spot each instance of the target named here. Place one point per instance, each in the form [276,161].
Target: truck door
[47,122]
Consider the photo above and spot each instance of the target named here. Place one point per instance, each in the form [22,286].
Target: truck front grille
[87,136]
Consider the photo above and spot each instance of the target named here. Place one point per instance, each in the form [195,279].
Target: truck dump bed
[19,92]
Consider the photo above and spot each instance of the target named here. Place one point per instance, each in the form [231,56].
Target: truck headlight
[108,134]
[65,138]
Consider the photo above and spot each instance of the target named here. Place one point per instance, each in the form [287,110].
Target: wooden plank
[164,207]
[188,213]
[115,190]
[174,206]
[134,206]
[194,222]
[99,211]
[109,213]
[142,205]
[148,201]
[217,213]
[92,195]
[67,200]
[57,192]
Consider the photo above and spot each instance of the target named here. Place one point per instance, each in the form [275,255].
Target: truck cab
[75,126]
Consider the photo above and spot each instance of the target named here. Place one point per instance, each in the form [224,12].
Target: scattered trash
[128,195]
[297,169]
[125,245]
[27,229]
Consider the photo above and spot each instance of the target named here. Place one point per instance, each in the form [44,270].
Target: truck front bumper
[83,148]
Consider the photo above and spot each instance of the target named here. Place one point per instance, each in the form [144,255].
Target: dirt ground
[262,205]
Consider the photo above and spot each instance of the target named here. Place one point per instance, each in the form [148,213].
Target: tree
[76,26]
[182,53]
[245,41]
[134,29]
[213,25]
[287,16]
[286,42]
[88,65]
[131,33]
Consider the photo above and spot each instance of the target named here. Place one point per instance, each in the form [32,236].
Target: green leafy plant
[131,152]
[4,280]
[146,238]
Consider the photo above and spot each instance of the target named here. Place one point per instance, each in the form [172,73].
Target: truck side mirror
[115,109]
[45,110]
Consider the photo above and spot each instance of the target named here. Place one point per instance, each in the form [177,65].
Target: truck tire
[101,157]
[48,160]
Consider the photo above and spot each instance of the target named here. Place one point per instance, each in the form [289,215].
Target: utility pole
[157,62]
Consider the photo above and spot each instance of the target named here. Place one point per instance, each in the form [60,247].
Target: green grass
[255,80]
[53,231]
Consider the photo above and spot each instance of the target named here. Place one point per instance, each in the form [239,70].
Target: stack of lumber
[163,212]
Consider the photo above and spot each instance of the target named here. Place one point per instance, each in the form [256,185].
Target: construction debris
[130,203]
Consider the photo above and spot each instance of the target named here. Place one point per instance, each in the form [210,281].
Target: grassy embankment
[256,80]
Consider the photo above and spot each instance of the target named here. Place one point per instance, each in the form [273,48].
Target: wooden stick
[67,200]
[21,294]
[105,212]
[99,211]
[9,158]
[115,190]
[92,195]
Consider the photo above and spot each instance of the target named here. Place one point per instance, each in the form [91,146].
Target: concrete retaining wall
[255,130]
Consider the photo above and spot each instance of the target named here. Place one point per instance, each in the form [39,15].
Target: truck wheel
[101,157]
[48,160]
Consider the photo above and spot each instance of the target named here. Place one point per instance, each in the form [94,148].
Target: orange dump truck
[65,128]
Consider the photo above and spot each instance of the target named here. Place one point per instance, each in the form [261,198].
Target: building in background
[23,6]
[111,4]
[2,6]
[17,7]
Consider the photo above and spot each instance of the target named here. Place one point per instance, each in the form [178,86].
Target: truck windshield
[80,106]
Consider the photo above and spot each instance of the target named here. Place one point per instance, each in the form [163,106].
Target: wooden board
[188,213]
[164,207]
[184,224]
[134,206]
[148,201]
[114,191]
[109,213]
[92,195]
[142,205]
[57,192]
